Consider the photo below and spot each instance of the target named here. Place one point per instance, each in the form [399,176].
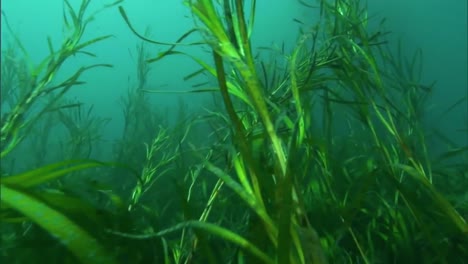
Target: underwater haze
[165,20]
[234,131]
[438,28]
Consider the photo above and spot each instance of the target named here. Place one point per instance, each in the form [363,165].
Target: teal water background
[439,28]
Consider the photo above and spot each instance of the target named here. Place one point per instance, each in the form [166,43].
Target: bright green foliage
[318,155]
[85,248]
[19,191]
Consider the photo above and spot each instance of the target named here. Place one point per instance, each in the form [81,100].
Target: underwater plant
[309,196]
[19,193]
[315,155]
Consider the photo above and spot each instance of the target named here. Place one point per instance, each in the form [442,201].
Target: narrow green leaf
[190,76]
[83,246]
[232,237]
[49,172]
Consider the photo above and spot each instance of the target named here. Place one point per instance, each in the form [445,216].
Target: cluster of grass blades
[317,156]
[328,155]
[24,196]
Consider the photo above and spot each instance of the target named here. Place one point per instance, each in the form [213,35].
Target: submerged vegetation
[318,155]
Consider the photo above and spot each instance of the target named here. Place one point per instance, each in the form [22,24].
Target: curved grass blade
[49,172]
[172,44]
[210,228]
[63,202]
[193,74]
[230,236]
[82,245]
[54,171]
[439,200]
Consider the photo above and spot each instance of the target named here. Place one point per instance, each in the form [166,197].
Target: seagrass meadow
[318,153]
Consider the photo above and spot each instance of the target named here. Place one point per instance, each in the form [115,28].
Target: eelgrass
[19,191]
[343,72]
[41,76]
[321,157]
